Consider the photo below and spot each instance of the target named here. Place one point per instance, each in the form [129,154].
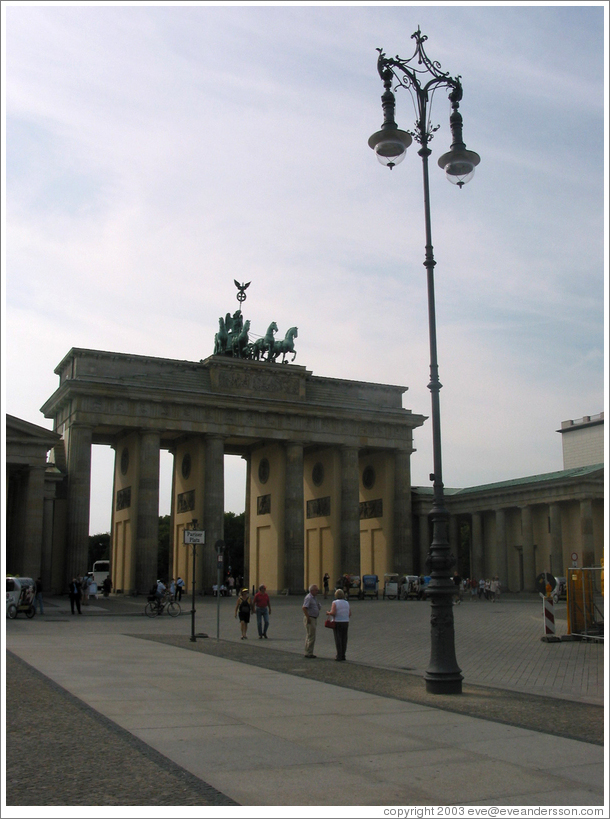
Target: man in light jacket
[311,610]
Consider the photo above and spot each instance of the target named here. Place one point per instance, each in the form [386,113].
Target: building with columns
[328,483]
[520,528]
[35,503]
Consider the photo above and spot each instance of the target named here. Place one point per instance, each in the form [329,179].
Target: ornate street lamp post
[422,77]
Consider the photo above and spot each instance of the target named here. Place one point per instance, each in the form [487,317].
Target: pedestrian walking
[498,587]
[38,598]
[262,609]
[92,587]
[179,588]
[481,588]
[457,582]
[341,612]
[474,587]
[243,610]
[231,584]
[75,591]
[311,610]
[85,590]
[172,589]
[107,586]
[325,582]
[493,589]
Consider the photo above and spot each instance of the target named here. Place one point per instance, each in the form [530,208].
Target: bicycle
[156,606]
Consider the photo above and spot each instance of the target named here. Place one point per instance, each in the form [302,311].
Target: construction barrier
[548,606]
[584,602]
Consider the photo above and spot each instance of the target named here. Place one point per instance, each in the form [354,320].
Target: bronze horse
[286,345]
[264,345]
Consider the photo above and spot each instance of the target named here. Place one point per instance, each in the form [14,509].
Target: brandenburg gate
[328,485]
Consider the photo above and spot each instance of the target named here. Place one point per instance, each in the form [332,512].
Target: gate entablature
[114,392]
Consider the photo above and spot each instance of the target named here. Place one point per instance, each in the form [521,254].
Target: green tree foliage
[99,549]
[234,543]
[163,569]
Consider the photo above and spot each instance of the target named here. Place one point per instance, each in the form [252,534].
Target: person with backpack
[243,608]
[180,587]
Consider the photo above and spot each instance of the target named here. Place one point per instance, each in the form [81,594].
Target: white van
[101,570]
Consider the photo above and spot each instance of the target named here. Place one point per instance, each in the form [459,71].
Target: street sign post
[193,537]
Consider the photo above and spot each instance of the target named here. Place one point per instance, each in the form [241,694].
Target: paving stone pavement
[61,752]
[511,678]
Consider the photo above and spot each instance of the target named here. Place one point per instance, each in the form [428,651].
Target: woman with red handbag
[340,611]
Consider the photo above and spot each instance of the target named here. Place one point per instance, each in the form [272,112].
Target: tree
[99,549]
[234,543]
[163,549]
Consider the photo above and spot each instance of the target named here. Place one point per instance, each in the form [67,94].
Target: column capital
[300,444]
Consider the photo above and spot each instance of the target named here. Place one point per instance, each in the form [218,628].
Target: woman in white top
[341,613]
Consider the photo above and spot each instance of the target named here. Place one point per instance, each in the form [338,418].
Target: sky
[155,153]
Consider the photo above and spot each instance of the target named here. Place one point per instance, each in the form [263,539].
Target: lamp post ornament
[422,77]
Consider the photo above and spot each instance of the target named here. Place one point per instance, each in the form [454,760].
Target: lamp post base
[444,685]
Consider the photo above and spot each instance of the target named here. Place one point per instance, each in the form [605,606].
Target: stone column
[33,525]
[501,549]
[350,511]
[477,560]
[246,578]
[46,560]
[113,543]
[173,546]
[402,558]
[294,520]
[557,567]
[424,542]
[213,510]
[586,534]
[79,499]
[147,526]
[529,558]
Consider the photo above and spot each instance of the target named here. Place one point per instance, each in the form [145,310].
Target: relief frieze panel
[185,502]
[263,505]
[123,498]
[257,382]
[371,509]
[318,507]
